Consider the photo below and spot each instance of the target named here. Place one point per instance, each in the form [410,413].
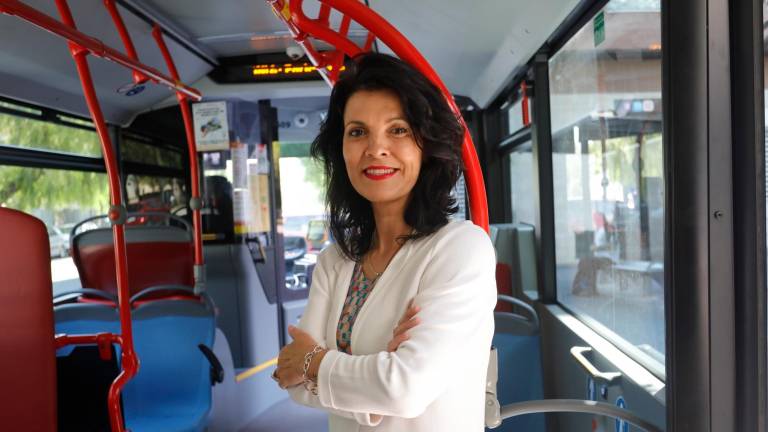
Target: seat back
[157,255]
[518,345]
[172,390]
[515,246]
[27,355]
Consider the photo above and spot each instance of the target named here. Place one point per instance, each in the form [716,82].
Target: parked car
[59,242]
[318,235]
[295,248]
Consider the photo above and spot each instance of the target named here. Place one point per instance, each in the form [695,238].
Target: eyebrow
[358,122]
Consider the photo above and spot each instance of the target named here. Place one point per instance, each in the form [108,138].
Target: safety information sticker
[211,127]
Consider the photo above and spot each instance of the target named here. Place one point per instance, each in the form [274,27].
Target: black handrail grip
[217,370]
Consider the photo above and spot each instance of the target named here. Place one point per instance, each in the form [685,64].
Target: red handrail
[130,363]
[526,109]
[80,46]
[303,28]
[138,77]
[91,45]
[189,129]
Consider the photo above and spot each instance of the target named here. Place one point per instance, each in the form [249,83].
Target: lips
[379,172]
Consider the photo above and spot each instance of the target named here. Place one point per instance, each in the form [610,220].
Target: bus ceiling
[491,41]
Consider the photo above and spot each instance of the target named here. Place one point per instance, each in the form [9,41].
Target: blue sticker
[591,389]
[621,425]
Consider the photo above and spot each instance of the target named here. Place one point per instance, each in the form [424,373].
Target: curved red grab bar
[91,45]
[303,27]
[80,46]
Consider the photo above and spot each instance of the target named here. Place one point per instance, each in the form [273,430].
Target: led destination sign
[265,71]
[287,70]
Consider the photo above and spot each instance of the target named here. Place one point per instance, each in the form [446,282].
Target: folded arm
[314,321]
[457,296]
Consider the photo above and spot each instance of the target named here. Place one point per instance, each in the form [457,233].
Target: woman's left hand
[290,362]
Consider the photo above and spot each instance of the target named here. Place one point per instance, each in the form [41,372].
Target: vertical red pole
[195,202]
[130,50]
[526,110]
[130,363]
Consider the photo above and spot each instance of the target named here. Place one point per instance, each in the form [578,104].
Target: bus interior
[614,152]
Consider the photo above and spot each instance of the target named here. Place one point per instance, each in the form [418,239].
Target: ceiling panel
[475,45]
[236,27]
[42,61]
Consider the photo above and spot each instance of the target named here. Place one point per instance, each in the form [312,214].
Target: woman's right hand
[407,322]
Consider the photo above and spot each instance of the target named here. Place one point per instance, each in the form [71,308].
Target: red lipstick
[379,172]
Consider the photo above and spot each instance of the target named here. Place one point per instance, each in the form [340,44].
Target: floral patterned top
[359,289]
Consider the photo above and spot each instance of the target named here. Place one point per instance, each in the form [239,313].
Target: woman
[391,147]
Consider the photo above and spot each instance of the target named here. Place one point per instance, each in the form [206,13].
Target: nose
[378,145]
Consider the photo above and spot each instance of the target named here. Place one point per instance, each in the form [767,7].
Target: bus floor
[288,416]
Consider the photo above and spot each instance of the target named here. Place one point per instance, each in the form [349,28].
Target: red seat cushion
[503,286]
[27,353]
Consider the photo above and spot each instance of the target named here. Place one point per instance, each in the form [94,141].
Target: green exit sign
[599,27]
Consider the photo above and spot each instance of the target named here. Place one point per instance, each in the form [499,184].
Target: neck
[390,225]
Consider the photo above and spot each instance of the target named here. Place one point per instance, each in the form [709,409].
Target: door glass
[609,178]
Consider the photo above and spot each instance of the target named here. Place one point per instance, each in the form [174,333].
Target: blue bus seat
[518,345]
[84,318]
[172,390]
[517,336]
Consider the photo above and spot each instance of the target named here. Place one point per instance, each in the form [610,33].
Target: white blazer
[435,381]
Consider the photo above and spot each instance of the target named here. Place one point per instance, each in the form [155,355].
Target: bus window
[154,194]
[17,131]
[605,88]
[39,192]
[132,150]
[302,186]
[522,185]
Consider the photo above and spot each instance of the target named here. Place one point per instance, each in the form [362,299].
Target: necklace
[377,274]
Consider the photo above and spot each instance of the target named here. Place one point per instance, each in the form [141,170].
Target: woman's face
[380,152]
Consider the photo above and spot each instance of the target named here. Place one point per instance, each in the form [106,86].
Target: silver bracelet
[310,385]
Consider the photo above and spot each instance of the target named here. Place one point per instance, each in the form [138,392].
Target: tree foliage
[314,175]
[31,189]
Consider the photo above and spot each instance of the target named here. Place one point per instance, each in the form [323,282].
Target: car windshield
[294,243]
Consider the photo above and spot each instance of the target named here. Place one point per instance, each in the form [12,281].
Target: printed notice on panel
[211,128]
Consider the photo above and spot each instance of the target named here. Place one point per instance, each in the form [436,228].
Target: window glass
[37,134]
[39,192]
[521,171]
[302,189]
[155,194]
[136,151]
[605,89]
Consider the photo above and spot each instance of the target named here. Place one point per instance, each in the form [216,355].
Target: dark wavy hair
[436,129]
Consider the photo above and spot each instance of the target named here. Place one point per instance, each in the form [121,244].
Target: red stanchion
[524,98]
[138,77]
[130,363]
[92,45]
[303,28]
[186,114]
[80,46]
